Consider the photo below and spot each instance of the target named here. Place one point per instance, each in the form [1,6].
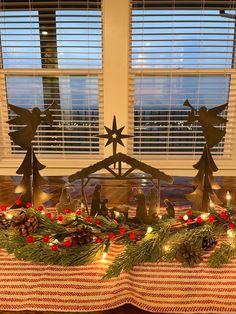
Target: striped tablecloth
[160,288]
[163,288]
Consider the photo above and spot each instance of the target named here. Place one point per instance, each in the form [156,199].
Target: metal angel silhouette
[27,122]
[204,181]
[207,119]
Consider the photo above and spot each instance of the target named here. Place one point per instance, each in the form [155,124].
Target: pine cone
[4,222]
[25,224]
[83,235]
[188,254]
[208,243]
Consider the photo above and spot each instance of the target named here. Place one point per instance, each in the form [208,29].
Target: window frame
[116,99]
[182,164]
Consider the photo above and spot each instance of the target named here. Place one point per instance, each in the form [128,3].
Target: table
[163,287]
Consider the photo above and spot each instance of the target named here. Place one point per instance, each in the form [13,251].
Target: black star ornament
[114,136]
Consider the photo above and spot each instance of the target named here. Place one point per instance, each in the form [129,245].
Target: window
[179,50]
[54,52]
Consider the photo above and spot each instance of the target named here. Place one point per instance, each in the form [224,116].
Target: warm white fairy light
[185,217]
[166,248]
[9,216]
[117,214]
[42,212]
[149,229]
[211,204]
[230,233]
[204,216]
[228,196]
[104,256]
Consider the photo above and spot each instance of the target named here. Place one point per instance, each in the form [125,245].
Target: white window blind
[180,50]
[53,51]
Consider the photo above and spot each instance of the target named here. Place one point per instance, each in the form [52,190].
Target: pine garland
[82,239]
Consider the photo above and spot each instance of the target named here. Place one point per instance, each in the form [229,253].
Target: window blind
[59,44]
[190,37]
[77,119]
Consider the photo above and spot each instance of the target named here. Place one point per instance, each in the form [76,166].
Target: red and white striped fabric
[163,287]
[154,287]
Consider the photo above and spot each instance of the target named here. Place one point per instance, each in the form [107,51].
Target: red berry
[68,210]
[88,219]
[28,205]
[67,242]
[79,212]
[223,215]
[189,221]
[30,239]
[180,218]
[60,218]
[3,207]
[97,221]
[111,235]
[54,247]
[40,208]
[199,219]
[49,215]
[132,236]
[122,230]
[231,225]
[189,213]
[211,219]
[98,240]
[46,238]
[18,201]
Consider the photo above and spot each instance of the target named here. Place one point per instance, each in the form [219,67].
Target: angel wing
[212,115]
[217,110]
[24,116]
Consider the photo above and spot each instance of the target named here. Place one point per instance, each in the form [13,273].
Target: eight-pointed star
[114,136]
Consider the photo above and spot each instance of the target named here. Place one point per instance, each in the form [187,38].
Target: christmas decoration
[66,202]
[25,224]
[4,222]
[82,235]
[30,167]
[188,255]
[114,136]
[78,235]
[204,194]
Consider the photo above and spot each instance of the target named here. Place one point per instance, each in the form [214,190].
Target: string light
[149,229]
[204,216]
[185,217]
[228,198]
[230,233]
[211,204]
[117,214]
[104,255]
[166,248]
[9,216]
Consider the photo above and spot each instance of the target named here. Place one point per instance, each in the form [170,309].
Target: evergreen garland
[62,243]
